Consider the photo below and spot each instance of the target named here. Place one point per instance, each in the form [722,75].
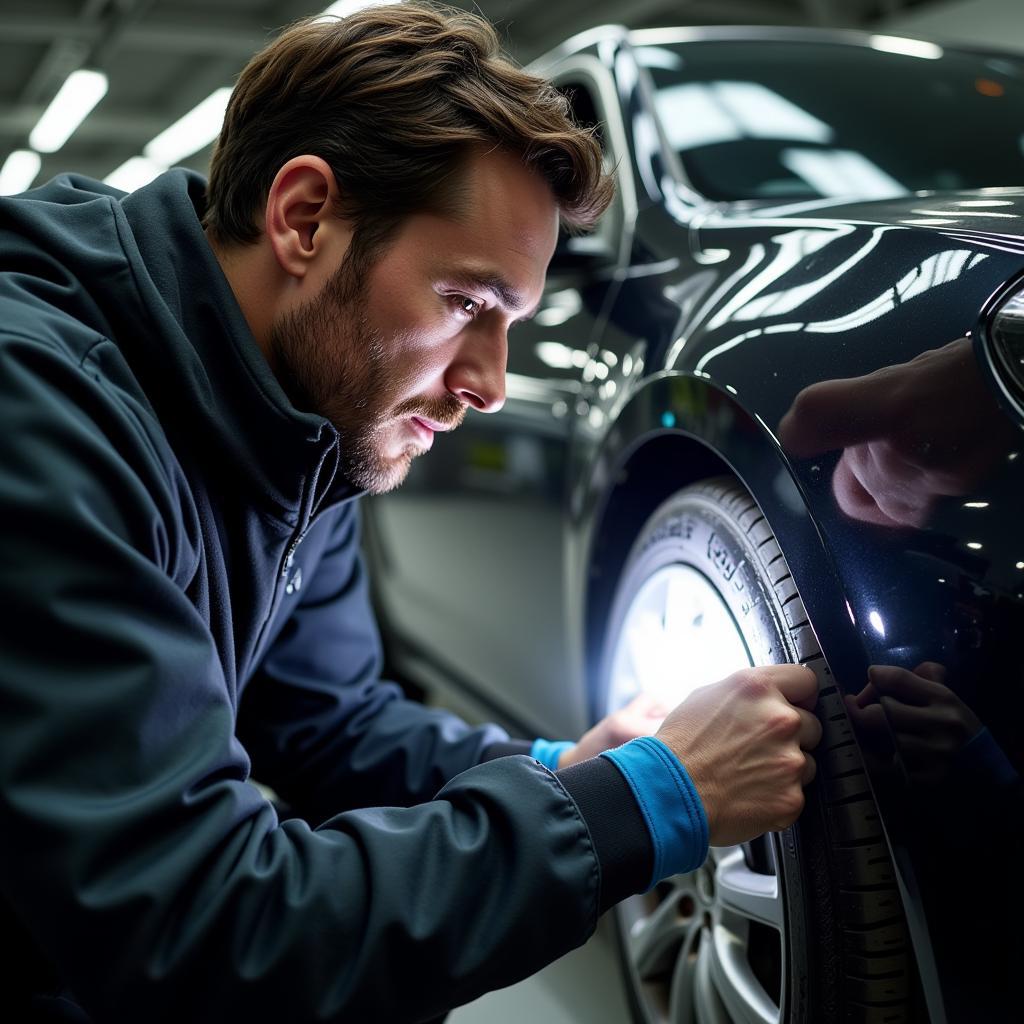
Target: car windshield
[758,120]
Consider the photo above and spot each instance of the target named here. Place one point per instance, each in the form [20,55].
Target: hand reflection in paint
[910,434]
[936,733]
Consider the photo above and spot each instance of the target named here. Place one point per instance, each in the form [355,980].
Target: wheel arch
[677,429]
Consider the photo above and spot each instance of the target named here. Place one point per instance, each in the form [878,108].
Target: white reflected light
[19,171]
[975,504]
[906,47]
[559,307]
[191,133]
[677,635]
[974,545]
[559,356]
[658,57]
[74,101]
[841,172]
[942,268]
[698,114]
[876,622]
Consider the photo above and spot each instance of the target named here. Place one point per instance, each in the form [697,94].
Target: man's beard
[330,361]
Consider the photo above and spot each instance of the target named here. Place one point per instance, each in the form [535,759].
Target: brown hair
[392,98]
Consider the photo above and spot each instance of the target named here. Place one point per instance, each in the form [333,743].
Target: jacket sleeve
[317,721]
[146,867]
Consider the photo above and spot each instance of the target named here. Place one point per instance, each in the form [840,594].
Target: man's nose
[477,375]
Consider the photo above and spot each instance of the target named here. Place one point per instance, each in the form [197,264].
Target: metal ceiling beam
[18,119]
[240,39]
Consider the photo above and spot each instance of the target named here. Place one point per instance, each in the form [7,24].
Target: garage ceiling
[162,57]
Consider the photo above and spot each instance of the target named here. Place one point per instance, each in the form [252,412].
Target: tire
[823,937]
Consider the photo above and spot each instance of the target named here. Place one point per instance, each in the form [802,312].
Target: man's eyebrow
[507,293]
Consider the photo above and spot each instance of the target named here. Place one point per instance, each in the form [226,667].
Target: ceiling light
[134,173]
[81,91]
[343,8]
[19,171]
[191,133]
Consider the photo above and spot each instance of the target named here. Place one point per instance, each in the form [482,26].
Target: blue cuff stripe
[669,803]
[549,751]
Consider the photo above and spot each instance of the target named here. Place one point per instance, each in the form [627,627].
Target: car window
[587,111]
[755,120]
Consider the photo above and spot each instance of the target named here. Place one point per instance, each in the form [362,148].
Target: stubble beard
[331,361]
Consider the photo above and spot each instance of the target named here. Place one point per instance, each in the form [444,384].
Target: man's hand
[929,722]
[743,742]
[641,717]
[910,434]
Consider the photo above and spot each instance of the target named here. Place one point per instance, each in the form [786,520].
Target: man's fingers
[932,670]
[904,685]
[869,695]
[809,734]
[833,414]
[810,770]
[797,683]
[909,718]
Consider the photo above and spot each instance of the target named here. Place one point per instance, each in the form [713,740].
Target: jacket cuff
[549,751]
[671,807]
[505,748]
[617,829]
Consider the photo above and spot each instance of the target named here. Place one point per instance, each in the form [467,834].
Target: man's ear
[300,219]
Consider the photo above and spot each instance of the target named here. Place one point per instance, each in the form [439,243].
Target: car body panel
[678,360]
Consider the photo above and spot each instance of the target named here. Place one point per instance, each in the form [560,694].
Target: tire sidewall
[692,529]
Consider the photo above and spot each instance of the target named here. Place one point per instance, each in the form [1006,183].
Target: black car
[829,226]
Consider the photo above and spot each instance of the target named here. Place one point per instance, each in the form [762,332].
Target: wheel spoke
[709,1006]
[746,893]
[734,982]
[655,940]
[682,989]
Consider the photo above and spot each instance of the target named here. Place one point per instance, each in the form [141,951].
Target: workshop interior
[769,410]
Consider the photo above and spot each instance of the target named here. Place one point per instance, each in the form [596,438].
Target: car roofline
[742,33]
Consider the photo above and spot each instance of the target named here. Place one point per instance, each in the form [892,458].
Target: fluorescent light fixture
[343,8]
[189,134]
[19,171]
[906,47]
[134,173]
[81,91]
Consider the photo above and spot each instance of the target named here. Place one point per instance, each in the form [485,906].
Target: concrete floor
[584,985]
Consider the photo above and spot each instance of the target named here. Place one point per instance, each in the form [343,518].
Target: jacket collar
[211,378]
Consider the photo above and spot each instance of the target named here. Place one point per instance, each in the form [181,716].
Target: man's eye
[467,305]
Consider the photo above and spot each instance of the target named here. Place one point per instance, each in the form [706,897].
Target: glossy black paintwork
[687,357]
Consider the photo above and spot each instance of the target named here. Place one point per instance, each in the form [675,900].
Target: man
[197,383]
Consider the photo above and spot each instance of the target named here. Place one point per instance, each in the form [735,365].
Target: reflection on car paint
[697,346]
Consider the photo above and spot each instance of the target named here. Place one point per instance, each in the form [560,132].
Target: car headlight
[1005,346]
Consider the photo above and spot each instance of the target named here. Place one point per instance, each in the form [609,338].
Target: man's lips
[432,425]
[425,429]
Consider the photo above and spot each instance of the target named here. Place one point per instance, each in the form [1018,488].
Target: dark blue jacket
[183,607]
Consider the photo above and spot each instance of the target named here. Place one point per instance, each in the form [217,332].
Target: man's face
[401,350]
